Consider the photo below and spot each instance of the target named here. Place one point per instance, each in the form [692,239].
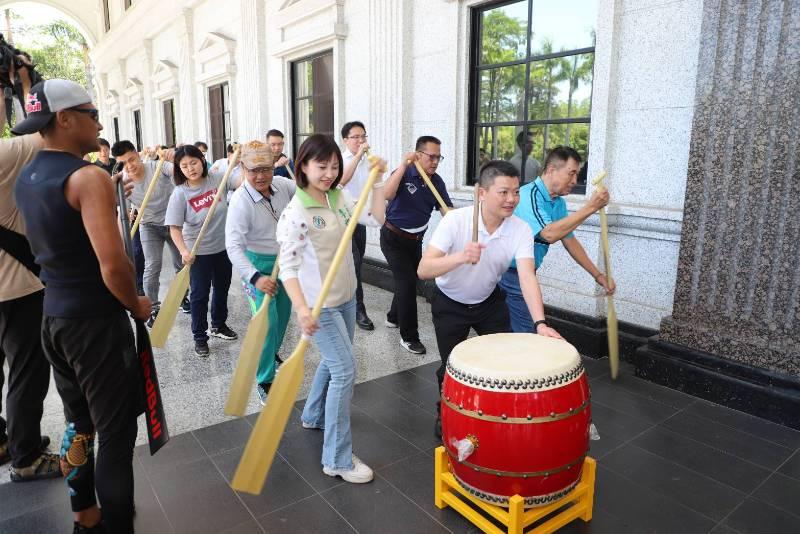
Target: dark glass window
[531,67]
[312,97]
[106,16]
[168,108]
[137,128]
[116,129]
[219,108]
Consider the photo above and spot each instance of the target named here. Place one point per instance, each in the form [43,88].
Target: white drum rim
[516,371]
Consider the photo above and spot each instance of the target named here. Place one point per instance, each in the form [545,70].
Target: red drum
[522,400]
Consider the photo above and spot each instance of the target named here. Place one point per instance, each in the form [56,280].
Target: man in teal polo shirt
[541,205]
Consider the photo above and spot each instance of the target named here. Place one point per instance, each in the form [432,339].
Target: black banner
[157,432]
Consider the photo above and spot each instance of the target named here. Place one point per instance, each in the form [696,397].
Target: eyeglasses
[93,113]
[432,157]
[358,137]
[263,171]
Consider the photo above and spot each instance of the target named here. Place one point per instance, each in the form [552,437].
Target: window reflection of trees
[546,92]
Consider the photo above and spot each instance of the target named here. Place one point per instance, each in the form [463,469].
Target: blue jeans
[521,320]
[328,403]
[209,270]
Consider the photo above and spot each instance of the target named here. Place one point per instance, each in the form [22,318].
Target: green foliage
[59,52]
[557,89]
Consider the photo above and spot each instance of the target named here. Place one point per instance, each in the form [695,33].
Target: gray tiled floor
[667,462]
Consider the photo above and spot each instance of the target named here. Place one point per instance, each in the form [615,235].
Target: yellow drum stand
[448,492]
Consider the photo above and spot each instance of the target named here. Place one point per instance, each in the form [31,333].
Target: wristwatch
[255,277]
[537,323]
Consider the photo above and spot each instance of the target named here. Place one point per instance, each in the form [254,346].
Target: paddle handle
[598,181]
[147,194]
[345,246]
[439,199]
[220,192]
[273,276]
[476,213]
[125,223]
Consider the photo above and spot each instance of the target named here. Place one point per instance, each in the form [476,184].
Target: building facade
[473,73]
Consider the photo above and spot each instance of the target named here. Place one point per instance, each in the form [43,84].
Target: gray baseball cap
[45,99]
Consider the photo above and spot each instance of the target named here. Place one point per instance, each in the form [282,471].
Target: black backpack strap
[20,249]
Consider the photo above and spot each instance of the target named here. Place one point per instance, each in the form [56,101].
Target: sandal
[45,466]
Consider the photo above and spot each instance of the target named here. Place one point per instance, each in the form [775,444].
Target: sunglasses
[93,113]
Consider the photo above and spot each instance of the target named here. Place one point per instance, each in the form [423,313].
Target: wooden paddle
[249,355]
[148,193]
[155,419]
[476,212]
[263,443]
[179,285]
[611,317]
[433,189]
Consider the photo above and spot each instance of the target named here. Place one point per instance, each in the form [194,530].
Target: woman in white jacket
[309,231]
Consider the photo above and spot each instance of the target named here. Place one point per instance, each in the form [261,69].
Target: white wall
[402,68]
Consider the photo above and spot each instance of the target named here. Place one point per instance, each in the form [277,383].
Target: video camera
[12,62]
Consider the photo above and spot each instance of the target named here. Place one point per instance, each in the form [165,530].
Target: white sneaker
[310,426]
[389,324]
[359,474]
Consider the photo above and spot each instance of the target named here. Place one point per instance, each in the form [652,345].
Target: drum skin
[531,439]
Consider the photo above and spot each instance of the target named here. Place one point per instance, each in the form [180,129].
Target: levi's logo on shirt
[203,200]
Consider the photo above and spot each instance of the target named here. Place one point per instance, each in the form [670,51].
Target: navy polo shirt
[281,171]
[413,203]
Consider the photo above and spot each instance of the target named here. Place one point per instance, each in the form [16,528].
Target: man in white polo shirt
[250,241]
[466,294]
[354,176]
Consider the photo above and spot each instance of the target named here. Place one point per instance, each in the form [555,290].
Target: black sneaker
[263,391]
[223,332]
[151,321]
[99,528]
[5,455]
[201,348]
[185,307]
[363,321]
[414,347]
[45,466]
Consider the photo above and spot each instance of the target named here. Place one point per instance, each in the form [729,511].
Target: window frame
[106,16]
[137,128]
[224,87]
[296,134]
[474,85]
[169,128]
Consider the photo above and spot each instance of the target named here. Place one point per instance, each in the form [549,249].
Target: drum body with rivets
[523,402]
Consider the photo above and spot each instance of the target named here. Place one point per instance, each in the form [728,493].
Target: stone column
[187,111]
[151,129]
[390,78]
[251,63]
[734,335]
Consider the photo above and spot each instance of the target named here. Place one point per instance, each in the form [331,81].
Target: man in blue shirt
[284,166]
[541,205]
[407,215]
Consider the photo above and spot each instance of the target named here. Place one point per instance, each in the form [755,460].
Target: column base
[760,392]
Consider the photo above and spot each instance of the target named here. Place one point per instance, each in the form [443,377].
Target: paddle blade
[169,308]
[247,365]
[263,443]
[613,339]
